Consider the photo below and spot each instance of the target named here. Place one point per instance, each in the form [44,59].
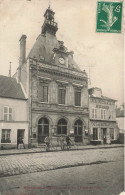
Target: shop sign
[101,106]
[101,101]
[104,124]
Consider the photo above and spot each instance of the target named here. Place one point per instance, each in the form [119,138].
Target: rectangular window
[77,97]
[111,133]
[44,93]
[7,113]
[62,92]
[95,133]
[94,113]
[103,114]
[5,136]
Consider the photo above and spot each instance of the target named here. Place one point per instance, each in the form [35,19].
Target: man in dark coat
[68,141]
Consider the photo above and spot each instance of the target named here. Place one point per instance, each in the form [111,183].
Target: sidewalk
[56,149]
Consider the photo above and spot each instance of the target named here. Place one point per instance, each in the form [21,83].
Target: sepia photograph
[62,97]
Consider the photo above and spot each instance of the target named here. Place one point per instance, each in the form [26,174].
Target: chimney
[22,50]
[22,58]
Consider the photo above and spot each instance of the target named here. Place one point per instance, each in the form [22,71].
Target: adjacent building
[120,117]
[13,117]
[56,88]
[102,113]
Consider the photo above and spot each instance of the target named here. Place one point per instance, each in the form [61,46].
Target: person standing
[68,141]
[47,142]
[62,142]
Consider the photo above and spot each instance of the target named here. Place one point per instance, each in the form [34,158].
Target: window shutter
[10,114]
[77,98]
[61,96]
[43,93]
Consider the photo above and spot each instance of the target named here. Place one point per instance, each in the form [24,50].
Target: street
[98,171]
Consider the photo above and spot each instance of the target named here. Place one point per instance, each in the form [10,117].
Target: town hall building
[57,89]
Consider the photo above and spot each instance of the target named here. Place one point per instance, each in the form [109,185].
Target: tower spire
[49,24]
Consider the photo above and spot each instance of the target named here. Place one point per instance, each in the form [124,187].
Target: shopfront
[103,132]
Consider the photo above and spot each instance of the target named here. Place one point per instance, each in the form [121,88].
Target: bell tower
[49,24]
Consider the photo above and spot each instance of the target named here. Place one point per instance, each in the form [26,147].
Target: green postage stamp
[109,17]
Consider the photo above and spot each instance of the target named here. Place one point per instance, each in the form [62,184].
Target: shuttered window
[77,97]
[7,113]
[43,93]
[103,114]
[62,92]
[94,113]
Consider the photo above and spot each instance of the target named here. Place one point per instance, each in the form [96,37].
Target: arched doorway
[78,131]
[62,127]
[43,129]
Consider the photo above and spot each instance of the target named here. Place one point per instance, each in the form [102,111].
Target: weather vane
[49,3]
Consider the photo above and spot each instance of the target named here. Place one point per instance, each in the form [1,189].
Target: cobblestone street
[63,173]
[30,163]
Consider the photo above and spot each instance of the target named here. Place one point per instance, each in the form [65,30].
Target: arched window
[43,129]
[78,130]
[62,127]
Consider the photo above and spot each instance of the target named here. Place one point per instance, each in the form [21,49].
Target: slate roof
[9,88]
[44,47]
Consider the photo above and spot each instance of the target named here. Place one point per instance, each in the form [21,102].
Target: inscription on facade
[100,124]
[102,101]
[102,106]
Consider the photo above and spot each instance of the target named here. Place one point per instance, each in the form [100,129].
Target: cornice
[59,71]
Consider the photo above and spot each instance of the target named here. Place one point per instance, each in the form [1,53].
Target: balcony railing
[52,23]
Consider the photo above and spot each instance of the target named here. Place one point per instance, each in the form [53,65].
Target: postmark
[109,17]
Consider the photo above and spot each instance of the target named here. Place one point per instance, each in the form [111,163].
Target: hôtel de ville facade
[56,88]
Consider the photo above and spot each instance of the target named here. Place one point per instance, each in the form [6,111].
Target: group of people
[62,142]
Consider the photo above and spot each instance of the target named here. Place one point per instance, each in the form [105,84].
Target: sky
[76,19]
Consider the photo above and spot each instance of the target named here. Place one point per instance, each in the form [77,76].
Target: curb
[109,147]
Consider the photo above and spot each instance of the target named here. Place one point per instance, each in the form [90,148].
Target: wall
[13,135]
[110,106]
[19,108]
[53,119]
[120,121]
[99,123]
[53,83]
[19,120]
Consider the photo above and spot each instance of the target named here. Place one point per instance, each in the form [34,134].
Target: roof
[102,97]
[44,48]
[9,88]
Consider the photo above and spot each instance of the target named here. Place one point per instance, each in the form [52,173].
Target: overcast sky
[77,28]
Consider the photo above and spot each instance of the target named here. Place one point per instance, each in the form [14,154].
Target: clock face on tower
[61,60]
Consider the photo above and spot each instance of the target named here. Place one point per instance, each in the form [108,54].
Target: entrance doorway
[104,135]
[78,131]
[20,134]
[43,130]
